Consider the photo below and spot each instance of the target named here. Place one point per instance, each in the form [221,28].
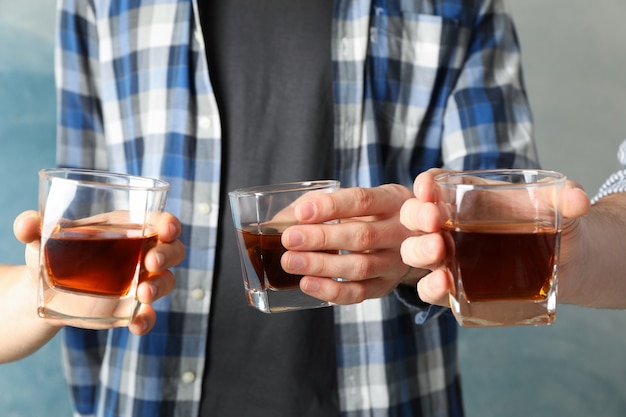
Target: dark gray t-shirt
[270,65]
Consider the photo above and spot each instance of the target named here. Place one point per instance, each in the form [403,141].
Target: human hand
[426,249]
[161,281]
[369,229]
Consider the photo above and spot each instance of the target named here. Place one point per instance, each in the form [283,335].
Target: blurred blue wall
[32,387]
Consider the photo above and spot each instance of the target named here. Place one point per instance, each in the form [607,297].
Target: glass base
[85,310]
[283,300]
[504,312]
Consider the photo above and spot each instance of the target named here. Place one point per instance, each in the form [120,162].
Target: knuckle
[363,269]
[327,205]
[359,294]
[321,268]
[333,294]
[365,236]
[364,199]
[323,239]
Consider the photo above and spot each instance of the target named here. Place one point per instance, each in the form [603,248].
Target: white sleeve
[616,183]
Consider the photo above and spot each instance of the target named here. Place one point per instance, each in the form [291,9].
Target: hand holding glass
[260,215]
[502,230]
[96,229]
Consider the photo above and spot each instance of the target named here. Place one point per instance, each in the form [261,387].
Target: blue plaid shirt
[417,84]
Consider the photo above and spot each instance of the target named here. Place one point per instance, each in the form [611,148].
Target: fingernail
[295,262]
[295,238]
[310,286]
[173,229]
[153,290]
[427,246]
[143,325]
[419,189]
[160,259]
[306,211]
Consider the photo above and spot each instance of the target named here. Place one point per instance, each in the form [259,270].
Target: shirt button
[344,47]
[197,294]
[204,122]
[188,377]
[204,208]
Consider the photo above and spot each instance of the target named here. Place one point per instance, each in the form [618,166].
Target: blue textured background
[34,386]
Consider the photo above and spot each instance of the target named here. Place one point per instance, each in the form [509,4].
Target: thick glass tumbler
[260,215]
[502,231]
[96,229]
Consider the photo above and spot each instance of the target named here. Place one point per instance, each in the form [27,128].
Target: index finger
[169,227]
[352,202]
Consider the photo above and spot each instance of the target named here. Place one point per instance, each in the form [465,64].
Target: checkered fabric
[417,84]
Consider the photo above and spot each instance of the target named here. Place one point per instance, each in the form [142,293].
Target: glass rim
[546,178]
[285,187]
[84,175]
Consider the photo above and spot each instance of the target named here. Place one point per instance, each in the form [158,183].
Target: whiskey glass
[96,228]
[502,230]
[260,215]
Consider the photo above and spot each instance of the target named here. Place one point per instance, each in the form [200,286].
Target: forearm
[23,332]
[595,275]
